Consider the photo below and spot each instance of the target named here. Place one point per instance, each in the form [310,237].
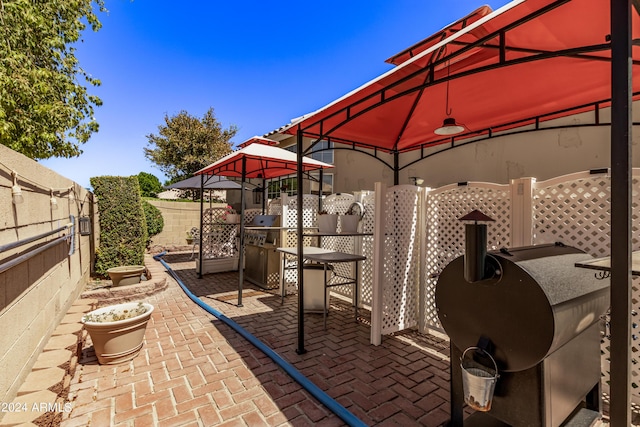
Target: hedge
[123,228]
[153,216]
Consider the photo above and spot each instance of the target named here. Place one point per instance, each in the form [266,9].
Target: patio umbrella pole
[241,254]
[300,349]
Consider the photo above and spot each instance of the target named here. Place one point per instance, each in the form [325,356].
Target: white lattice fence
[367,224]
[218,237]
[339,204]
[250,214]
[445,233]
[575,210]
[290,219]
[401,260]
[275,207]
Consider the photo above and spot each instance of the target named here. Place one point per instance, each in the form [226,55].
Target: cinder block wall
[36,293]
[179,217]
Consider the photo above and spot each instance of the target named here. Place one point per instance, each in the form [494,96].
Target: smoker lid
[559,282]
[264,220]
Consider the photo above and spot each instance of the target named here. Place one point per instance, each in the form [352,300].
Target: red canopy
[525,63]
[261,161]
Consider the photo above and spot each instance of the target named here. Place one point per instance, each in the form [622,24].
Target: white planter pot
[232,218]
[327,223]
[126,274]
[349,223]
[120,340]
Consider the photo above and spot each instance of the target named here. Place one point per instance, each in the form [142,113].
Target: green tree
[45,110]
[149,184]
[185,144]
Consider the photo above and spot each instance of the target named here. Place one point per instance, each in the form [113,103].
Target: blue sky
[258,64]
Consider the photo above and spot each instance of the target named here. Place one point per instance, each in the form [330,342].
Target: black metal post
[201,224]
[320,189]
[621,107]
[457,391]
[241,249]
[396,168]
[264,195]
[300,349]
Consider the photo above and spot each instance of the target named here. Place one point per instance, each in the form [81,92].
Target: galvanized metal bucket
[478,381]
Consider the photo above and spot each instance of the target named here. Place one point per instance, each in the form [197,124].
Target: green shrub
[123,228]
[149,184]
[153,216]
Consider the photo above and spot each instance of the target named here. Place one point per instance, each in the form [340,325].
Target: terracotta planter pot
[126,274]
[327,223]
[121,340]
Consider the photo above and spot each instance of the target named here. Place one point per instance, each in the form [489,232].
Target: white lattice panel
[445,233]
[575,210]
[275,207]
[249,214]
[218,237]
[309,211]
[401,259]
[366,271]
[289,219]
[339,204]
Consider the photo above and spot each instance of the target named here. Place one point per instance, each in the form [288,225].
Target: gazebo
[509,71]
[258,158]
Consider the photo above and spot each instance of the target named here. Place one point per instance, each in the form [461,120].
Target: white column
[522,212]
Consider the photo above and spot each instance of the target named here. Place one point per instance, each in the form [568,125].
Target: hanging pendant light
[449,125]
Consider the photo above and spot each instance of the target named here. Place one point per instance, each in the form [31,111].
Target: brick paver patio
[195,370]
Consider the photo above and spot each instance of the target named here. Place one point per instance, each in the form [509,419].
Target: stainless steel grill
[262,262]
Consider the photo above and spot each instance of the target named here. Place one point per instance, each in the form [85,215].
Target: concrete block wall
[179,217]
[36,293]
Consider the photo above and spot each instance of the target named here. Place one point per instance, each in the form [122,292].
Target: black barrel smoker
[537,315]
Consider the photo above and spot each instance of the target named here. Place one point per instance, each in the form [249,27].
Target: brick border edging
[120,294]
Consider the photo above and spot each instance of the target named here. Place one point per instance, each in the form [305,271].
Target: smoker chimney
[475,252]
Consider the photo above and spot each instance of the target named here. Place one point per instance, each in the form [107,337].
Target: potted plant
[117,331]
[192,235]
[327,223]
[126,274]
[230,215]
